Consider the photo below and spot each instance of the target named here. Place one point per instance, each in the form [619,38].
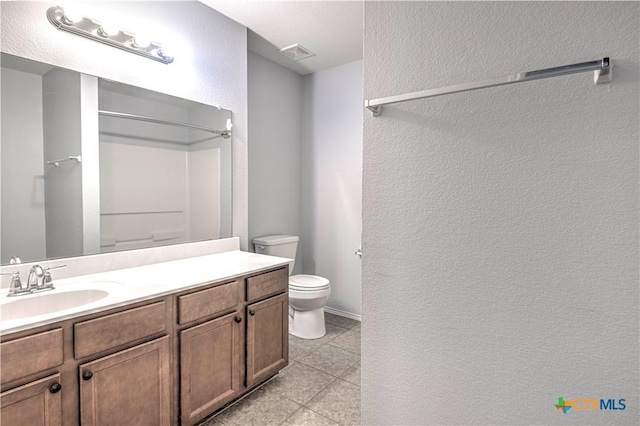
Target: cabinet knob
[238,320]
[55,388]
[87,375]
[252,312]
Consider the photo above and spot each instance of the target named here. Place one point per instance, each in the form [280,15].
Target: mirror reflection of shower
[159,168]
[92,166]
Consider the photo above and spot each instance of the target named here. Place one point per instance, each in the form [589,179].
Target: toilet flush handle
[260,248]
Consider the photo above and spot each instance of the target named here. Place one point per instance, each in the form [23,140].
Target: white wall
[90,148]
[500,226]
[275,99]
[210,64]
[332,182]
[23,224]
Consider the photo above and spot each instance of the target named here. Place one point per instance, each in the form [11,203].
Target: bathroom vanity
[172,343]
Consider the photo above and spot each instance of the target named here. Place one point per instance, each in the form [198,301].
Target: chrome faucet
[39,279]
[36,277]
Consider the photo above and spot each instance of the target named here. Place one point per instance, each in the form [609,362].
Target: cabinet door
[34,404]
[210,366]
[267,338]
[130,387]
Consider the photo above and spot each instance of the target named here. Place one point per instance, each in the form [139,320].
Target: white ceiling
[330,29]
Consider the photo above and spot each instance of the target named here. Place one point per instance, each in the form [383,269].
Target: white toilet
[307,293]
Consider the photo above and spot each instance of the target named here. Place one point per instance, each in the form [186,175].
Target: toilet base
[307,324]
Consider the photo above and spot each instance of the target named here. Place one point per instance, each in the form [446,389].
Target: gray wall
[275,99]
[210,64]
[500,226]
[305,164]
[23,220]
[61,121]
[332,182]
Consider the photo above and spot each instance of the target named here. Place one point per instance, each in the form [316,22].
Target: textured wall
[500,226]
[210,64]
[332,182]
[275,102]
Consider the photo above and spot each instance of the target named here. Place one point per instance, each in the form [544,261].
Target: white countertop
[131,285]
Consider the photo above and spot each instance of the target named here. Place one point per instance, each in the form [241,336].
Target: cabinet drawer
[31,354]
[111,331]
[208,302]
[267,284]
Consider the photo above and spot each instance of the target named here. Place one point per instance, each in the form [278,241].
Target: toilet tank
[278,245]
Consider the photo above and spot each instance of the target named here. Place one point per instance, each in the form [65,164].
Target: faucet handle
[46,279]
[16,284]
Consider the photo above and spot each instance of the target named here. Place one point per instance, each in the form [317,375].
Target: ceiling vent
[296,52]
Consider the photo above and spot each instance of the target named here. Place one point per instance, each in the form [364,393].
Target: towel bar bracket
[376,110]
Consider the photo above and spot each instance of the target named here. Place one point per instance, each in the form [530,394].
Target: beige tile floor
[320,386]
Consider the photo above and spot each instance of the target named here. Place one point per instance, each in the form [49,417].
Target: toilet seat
[308,283]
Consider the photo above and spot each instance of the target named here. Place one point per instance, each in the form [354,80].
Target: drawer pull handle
[238,320]
[252,312]
[87,375]
[55,388]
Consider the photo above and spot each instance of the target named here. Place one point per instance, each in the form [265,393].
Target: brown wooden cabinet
[128,387]
[34,404]
[267,338]
[173,359]
[210,366]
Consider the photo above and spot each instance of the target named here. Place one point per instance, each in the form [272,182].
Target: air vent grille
[296,52]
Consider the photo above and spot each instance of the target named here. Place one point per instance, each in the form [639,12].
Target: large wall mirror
[93,166]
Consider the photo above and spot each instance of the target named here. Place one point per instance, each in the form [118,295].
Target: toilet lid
[308,282]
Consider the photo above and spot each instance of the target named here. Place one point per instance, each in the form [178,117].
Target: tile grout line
[303,405]
[340,347]
[323,372]
[324,415]
[333,375]
[322,390]
[292,414]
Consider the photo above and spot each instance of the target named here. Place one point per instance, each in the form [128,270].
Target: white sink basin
[59,299]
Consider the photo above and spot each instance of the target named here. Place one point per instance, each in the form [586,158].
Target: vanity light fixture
[94,30]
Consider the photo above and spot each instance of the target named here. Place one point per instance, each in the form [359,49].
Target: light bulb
[108,30]
[140,42]
[164,53]
[71,16]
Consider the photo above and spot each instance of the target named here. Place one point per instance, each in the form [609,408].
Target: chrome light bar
[94,30]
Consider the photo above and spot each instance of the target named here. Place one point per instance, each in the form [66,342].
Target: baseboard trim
[343,313]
